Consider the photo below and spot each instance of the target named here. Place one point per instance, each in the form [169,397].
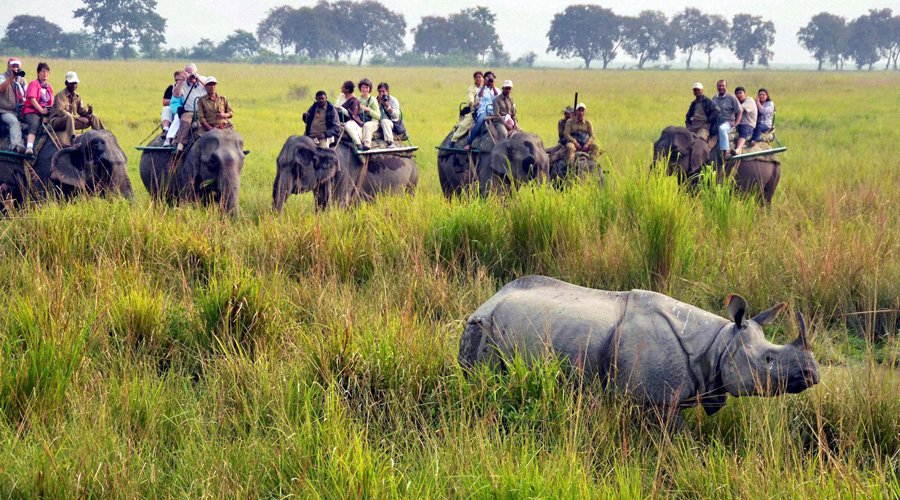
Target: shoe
[29,151]
[467,147]
[364,148]
[391,145]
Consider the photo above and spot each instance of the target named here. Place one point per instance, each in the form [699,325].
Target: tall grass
[153,350]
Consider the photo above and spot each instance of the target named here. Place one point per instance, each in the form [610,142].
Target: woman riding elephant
[338,176]
[685,154]
[210,172]
[94,164]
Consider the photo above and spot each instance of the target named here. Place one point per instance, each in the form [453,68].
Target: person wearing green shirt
[369,111]
[579,136]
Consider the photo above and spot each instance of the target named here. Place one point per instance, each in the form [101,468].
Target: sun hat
[507,84]
[72,77]
[210,79]
[580,106]
[698,85]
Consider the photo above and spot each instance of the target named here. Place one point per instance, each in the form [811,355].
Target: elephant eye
[769,359]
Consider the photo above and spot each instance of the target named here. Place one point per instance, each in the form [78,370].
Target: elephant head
[515,160]
[302,167]
[94,164]
[684,152]
[213,168]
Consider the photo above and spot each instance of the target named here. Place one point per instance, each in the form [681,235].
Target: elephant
[458,170]
[686,154]
[583,167]
[210,172]
[517,159]
[339,177]
[18,184]
[94,164]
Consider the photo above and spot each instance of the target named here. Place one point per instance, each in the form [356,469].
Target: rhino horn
[801,341]
[737,308]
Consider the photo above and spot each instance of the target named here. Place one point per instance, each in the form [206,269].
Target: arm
[334,128]
[6,82]
[178,91]
[394,107]
[201,115]
[567,134]
[687,117]
[590,140]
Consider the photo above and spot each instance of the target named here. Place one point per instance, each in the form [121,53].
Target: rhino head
[750,365]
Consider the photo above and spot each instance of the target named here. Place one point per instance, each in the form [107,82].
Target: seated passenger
[505,108]
[568,113]
[703,114]
[467,119]
[369,111]
[322,122]
[69,114]
[191,90]
[765,119]
[348,106]
[38,100]
[729,115]
[579,136]
[175,104]
[12,98]
[167,115]
[484,106]
[391,117]
[213,110]
[748,118]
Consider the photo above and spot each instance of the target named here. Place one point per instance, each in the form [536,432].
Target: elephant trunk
[229,187]
[284,185]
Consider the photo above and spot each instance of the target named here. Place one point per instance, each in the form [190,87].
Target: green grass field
[157,351]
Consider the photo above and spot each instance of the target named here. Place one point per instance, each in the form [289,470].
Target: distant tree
[77,45]
[22,32]
[470,32]
[647,37]
[204,50]
[275,29]
[587,32]
[526,61]
[824,36]
[499,58]
[382,32]
[239,45]
[122,22]
[717,34]
[866,38]
[690,28]
[751,38]
[893,40]
[318,32]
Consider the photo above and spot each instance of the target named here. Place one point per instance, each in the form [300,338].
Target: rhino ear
[766,317]
[737,308]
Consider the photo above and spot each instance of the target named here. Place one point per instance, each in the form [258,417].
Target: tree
[718,34]
[751,38]
[823,36]
[647,37]
[239,45]
[893,40]
[690,29]
[275,29]
[122,22]
[204,50]
[77,45]
[865,38]
[586,31]
[382,32]
[526,61]
[470,32]
[318,31]
[22,32]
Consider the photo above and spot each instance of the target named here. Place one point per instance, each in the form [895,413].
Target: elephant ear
[189,170]
[699,155]
[67,167]
[327,165]
[500,162]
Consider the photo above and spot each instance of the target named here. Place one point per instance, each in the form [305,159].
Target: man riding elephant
[579,136]
[703,114]
[12,98]
[68,114]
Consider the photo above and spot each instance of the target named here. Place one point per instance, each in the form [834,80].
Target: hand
[45,111]
[222,115]
[90,110]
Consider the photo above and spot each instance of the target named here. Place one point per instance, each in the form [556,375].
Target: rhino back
[665,353]
[534,315]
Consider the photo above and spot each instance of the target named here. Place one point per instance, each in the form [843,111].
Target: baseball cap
[13,60]
[698,85]
[580,106]
[211,79]
[72,77]
[507,83]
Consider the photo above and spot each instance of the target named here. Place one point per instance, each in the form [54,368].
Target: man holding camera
[69,114]
[391,118]
[484,106]
[191,89]
[12,98]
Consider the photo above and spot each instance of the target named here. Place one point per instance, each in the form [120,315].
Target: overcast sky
[522,24]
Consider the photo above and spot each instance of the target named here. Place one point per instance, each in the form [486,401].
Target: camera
[489,79]
[21,73]
[386,98]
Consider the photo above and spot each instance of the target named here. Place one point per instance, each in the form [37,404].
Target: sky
[521,24]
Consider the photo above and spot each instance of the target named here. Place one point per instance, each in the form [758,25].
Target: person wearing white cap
[213,110]
[579,136]
[12,98]
[69,114]
[190,90]
[505,108]
[703,114]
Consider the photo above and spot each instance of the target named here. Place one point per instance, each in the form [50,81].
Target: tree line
[347,30]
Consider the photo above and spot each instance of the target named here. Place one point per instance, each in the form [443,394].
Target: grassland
[157,351]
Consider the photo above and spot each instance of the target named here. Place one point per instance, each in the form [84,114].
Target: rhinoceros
[661,352]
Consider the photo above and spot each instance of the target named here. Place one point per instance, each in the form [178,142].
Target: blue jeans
[759,131]
[478,127]
[724,130]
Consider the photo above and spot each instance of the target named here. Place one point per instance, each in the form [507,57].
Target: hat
[568,110]
[13,60]
[72,77]
[698,85]
[211,79]
[507,83]
[580,106]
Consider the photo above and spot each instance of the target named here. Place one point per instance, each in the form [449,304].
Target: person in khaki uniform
[505,108]
[69,114]
[579,136]
[213,110]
